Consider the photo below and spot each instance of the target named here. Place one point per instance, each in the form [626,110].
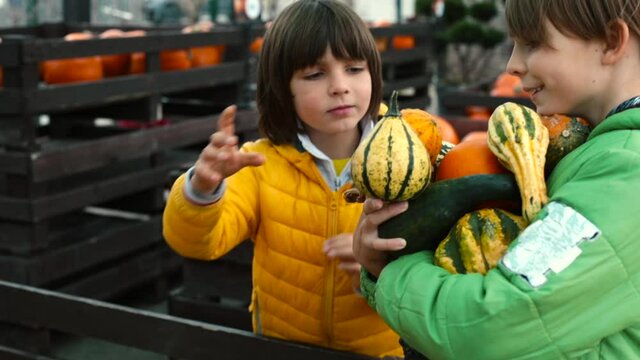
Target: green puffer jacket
[568,287]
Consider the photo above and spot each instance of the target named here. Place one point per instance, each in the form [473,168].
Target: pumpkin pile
[485,190]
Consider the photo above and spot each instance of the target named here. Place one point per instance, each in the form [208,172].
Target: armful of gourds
[398,161]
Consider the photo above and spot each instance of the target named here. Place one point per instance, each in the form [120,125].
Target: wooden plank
[31,338]
[36,50]
[35,210]
[212,311]
[72,96]
[217,279]
[455,102]
[164,334]
[64,158]
[7,353]
[115,278]
[93,243]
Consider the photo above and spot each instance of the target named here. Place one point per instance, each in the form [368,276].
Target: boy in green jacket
[569,285]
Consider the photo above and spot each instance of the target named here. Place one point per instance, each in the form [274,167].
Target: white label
[550,244]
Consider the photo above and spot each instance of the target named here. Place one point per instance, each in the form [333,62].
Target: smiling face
[332,96]
[564,75]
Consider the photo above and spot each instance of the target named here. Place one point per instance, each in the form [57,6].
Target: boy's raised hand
[221,157]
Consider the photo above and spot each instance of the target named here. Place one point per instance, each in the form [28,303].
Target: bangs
[336,30]
[525,20]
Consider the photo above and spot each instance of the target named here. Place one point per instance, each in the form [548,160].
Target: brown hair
[585,19]
[298,37]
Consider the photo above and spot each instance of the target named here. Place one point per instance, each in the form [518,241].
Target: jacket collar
[625,120]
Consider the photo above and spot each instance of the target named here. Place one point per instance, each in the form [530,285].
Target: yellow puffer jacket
[288,210]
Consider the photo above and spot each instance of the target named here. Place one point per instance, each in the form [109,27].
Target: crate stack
[85,166]
[407,52]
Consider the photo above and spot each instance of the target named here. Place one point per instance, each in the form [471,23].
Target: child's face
[564,76]
[332,96]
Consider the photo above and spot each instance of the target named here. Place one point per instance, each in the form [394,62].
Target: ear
[616,42]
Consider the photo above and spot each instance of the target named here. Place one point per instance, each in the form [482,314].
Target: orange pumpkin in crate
[74,69]
[403,42]
[449,133]
[118,64]
[206,55]
[172,60]
[256,45]
[473,135]
[138,60]
[478,113]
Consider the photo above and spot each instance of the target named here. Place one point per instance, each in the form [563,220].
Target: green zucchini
[436,210]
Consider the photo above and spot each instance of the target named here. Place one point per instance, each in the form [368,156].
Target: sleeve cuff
[368,287]
[199,198]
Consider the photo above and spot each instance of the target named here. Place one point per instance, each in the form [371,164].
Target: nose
[339,84]
[516,65]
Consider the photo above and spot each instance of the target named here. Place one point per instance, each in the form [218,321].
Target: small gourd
[565,134]
[478,240]
[391,164]
[518,138]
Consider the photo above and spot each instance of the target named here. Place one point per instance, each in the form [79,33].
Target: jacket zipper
[330,273]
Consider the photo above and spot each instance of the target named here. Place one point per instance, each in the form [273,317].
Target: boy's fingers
[226,120]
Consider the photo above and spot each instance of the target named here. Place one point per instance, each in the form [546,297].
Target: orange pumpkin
[447,130]
[256,45]
[172,60]
[118,64]
[74,69]
[403,42]
[508,85]
[469,157]
[427,129]
[478,113]
[565,134]
[473,135]
[206,55]
[138,60]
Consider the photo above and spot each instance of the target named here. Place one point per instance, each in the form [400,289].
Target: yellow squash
[391,163]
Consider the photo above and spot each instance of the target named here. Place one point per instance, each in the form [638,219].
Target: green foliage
[424,7]
[492,38]
[465,31]
[483,11]
[454,10]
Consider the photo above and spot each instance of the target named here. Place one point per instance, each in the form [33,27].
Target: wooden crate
[172,336]
[407,70]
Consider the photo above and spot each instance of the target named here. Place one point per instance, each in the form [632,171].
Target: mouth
[533,90]
[342,109]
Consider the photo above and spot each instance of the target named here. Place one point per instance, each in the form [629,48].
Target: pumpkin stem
[393,105]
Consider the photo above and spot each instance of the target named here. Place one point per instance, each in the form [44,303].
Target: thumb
[227,120]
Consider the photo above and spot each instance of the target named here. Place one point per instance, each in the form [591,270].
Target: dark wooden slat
[58,161]
[236,316]
[77,95]
[36,50]
[454,102]
[165,334]
[94,243]
[7,353]
[420,81]
[409,55]
[45,207]
[115,278]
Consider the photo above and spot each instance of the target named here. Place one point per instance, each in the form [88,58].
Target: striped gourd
[478,240]
[391,163]
[518,138]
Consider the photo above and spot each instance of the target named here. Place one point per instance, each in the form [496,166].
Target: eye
[313,75]
[356,69]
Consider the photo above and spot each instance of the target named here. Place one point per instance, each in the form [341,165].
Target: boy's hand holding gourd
[221,157]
